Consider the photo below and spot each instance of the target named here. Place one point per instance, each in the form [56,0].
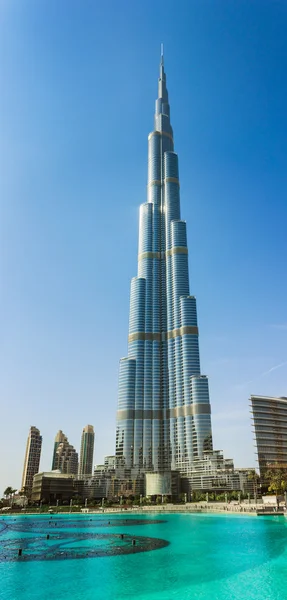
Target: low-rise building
[214,473]
[94,487]
[162,484]
[110,462]
[52,486]
[248,481]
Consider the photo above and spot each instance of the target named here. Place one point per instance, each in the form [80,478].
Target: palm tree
[276,476]
[9,493]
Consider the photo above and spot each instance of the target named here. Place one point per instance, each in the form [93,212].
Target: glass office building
[87,451]
[270,427]
[163,418]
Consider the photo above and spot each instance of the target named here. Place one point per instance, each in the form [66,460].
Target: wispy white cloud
[282,364]
[242,385]
[280,326]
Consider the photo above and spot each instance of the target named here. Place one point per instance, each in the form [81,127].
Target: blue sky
[79,81]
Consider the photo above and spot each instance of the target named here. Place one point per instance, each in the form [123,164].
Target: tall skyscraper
[163,418]
[87,451]
[32,459]
[65,457]
[59,439]
[270,428]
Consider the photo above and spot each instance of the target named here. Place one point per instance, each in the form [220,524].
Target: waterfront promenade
[190,508]
[200,507]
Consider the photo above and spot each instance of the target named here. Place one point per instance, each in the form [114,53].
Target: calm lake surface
[182,556]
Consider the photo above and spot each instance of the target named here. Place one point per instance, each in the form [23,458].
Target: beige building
[65,457]
[162,484]
[32,459]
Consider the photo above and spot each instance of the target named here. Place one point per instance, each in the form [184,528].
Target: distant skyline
[79,82]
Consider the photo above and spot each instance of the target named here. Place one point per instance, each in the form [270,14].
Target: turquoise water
[216,557]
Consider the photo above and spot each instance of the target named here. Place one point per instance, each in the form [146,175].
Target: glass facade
[87,451]
[270,428]
[163,418]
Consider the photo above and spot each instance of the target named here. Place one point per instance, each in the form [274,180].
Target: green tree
[9,493]
[254,477]
[277,479]
[78,500]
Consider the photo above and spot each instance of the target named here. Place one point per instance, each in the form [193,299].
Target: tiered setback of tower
[65,457]
[163,418]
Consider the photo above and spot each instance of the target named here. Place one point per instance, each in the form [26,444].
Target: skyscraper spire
[161,55]
[161,65]
[163,419]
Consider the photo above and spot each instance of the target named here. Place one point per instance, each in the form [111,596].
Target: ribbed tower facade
[87,451]
[32,459]
[163,418]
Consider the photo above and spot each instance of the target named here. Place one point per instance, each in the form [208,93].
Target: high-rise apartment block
[163,418]
[270,427]
[65,457]
[32,459]
[59,439]
[110,462]
[87,451]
